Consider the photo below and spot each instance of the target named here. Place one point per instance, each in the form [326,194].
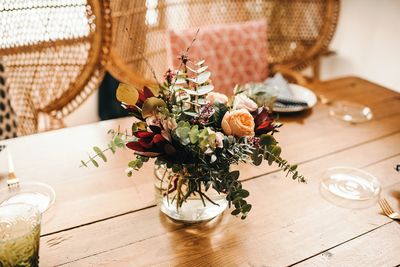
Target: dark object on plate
[302,99]
[291,102]
[278,107]
[398,167]
[2,147]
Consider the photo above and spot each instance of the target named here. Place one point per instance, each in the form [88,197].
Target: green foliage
[194,134]
[100,153]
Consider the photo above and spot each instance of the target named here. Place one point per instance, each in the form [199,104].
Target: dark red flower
[149,143]
[264,122]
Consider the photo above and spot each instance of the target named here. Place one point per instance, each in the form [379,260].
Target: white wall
[86,113]
[367,42]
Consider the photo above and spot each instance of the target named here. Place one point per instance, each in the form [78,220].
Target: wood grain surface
[101,217]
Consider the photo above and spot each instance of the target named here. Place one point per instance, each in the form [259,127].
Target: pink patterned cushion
[235,53]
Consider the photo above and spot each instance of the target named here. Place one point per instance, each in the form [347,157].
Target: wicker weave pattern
[299,31]
[54,54]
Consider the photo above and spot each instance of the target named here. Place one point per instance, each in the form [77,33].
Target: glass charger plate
[350,112]
[349,187]
[34,193]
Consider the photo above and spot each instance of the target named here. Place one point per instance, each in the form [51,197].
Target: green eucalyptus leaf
[234,175]
[94,162]
[100,153]
[257,157]
[112,147]
[246,208]
[270,159]
[139,164]
[119,142]
[235,212]
[194,134]
[237,200]
[133,163]
[244,193]
[267,140]
[276,151]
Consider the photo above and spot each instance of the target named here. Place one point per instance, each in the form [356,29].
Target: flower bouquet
[196,135]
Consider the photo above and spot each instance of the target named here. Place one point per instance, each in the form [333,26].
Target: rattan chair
[299,32]
[54,54]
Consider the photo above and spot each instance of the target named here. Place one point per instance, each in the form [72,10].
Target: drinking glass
[19,235]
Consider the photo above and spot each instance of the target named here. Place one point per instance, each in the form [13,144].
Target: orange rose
[238,123]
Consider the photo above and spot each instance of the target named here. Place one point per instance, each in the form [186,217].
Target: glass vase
[196,208]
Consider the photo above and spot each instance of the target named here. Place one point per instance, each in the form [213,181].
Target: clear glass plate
[350,112]
[38,194]
[349,187]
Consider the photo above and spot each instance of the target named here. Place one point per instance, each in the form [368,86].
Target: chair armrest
[290,75]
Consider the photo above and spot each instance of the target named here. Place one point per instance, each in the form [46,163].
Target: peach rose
[243,101]
[238,123]
[217,97]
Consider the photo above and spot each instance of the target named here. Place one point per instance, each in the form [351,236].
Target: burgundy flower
[264,122]
[149,143]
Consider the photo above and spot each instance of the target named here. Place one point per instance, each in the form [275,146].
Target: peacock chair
[54,55]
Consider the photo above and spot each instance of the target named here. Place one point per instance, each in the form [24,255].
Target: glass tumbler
[19,235]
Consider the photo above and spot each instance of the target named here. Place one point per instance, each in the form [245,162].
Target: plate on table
[301,94]
[33,193]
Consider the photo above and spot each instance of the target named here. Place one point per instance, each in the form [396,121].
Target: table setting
[347,188]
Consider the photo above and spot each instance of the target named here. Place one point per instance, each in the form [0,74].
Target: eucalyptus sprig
[118,141]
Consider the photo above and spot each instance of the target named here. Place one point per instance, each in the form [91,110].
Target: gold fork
[388,210]
[12,180]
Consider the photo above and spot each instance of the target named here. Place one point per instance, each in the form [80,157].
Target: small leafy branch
[119,140]
[270,151]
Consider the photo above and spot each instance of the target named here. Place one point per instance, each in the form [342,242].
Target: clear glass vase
[195,209]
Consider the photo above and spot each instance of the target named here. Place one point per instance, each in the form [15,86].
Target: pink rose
[217,97]
[238,123]
[243,101]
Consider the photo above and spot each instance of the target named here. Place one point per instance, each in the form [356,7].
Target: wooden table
[101,217]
